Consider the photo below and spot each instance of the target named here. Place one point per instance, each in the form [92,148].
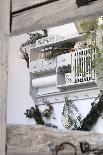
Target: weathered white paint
[44,81]
[66,30]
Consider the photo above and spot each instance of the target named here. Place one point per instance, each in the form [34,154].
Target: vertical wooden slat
[4,44]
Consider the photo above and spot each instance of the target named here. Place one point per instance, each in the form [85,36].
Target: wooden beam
[53,14]
[4,48]
[20,4]
[34,140]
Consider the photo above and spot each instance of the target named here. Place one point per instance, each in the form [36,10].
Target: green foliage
[32,39]
[78,123]
[35,114]
[69,107]
[97,109]
[69,110]
[65,69]
[88,27]
[51,125]
[92,117]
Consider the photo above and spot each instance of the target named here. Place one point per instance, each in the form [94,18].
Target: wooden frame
[30,16]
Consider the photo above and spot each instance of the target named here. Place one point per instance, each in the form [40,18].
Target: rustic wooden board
[4,47]
[20,4]
[34,140]
[53,14]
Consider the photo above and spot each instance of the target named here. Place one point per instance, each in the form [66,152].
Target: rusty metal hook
[55,149]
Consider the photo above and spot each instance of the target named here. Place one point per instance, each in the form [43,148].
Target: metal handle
[55,149]
[85,148]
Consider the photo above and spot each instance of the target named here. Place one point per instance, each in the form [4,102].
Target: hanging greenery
[96,111]
[93,40]
[33,37]
[25,56]
[32,40]
[37,115]
[77,123]
[69,118]
[91,30]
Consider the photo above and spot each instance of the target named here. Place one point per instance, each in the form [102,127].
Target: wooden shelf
[86,84]
[44,71]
